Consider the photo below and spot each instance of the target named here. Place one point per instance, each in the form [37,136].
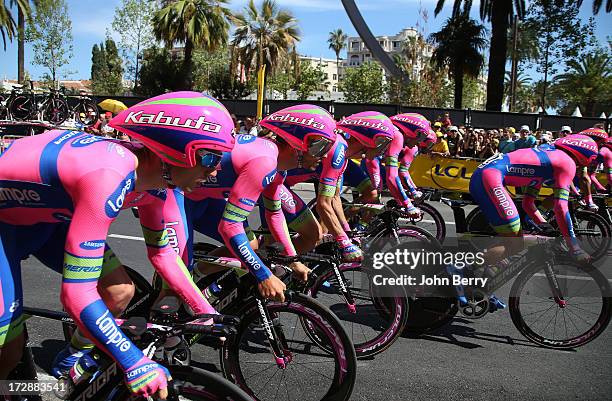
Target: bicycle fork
[554,286]
[275,335]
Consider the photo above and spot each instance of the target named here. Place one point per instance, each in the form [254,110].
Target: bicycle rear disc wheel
[56,111]
[313,373]
[539,317]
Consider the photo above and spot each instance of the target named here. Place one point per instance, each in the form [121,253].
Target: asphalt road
[467,360]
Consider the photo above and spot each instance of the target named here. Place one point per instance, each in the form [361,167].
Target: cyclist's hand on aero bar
[272,288]
[300,271]
[147,378]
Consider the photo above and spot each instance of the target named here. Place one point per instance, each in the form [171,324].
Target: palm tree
[597,5]
[337,42]
[587,82]
[265,35]
[194,23]
[459,44]
[8,26]
[500,13]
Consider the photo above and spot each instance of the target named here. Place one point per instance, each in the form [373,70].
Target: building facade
[331,68]
[358,53]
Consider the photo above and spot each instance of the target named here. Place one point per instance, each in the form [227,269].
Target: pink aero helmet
[304,127]
[176,125]
[608,143]
[582,148]
[412,125]
[597,134]
[372,129]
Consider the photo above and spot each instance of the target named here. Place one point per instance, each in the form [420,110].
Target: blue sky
[316,19]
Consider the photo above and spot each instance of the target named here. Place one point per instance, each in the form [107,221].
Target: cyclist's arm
[333,167]
[165,235]
[373,170]
[529,206]
[394,182]
[593,173]
[254,177]
[97,196]
[274,216]
[404,172]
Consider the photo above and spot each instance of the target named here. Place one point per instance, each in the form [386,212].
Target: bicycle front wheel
[87,112]
[571,318]
[312,372]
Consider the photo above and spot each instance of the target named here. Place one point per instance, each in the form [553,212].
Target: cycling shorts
[488,190]
[355,177]
[44,241]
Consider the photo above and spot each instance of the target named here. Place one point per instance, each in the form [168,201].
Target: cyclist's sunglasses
[381,143]
[318,147]
[209,158]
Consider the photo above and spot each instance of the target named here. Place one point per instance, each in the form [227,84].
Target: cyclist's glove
[417,195]
[350,252]
[146,377]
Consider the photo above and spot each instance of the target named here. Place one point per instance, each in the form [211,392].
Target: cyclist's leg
[355,177]
[487,189]
[114,285]
[204,217]
[301,220]
[11,299]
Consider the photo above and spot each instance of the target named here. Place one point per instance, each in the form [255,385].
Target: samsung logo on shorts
[89,245]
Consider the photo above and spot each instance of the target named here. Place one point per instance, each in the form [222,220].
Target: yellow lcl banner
[452,174]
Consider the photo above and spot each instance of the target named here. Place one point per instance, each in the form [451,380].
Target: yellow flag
[261,76]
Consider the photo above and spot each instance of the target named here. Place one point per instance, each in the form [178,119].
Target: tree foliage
[133,22]
[586,84]
[458,46]
[194,23]
[499,13]
[264,36]
[161,72]
[337,41]
[311,79]
[364,84]
[560,36]
[51,36]
[106,69]
[8,26]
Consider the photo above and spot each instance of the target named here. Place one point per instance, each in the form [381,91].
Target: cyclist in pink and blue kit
[61,190]
[588,174]
[554,165]
[411,130]
[254,168]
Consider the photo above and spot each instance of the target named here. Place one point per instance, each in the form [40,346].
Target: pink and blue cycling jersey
[328,172]
[59,193]
[531,168]
[393,180]
[220,207]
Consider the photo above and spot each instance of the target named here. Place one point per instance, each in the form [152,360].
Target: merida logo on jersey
[364,123]
[117,198]
[114,336]
[140,117]
[19,195]
[520,170]
[308,122]
[249,258]
[66,136]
